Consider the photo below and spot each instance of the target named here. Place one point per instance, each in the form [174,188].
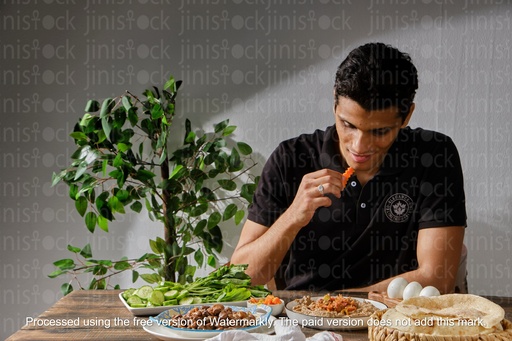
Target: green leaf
[244,148]
[127,103]
[228,130]
[122,265]
[90,221]
[133,117]
[92,106]
[136,206]
[176,171]
[234,161]
[123,147]
[103,223]
[65,264]
[56,273]
[198,210]
[154,246]
[151,278]
[199,257]
[73,190]
[228,185]
[135,276]
[106,107]
[212,261]
[170,84]
[81,205]
[73,249]
[107,126]
[239,215]
[214,219]
[116,205]
[78,136]
[66,288]
[229,212]
[156,111]
[220,126]
[144,175]
[86,251]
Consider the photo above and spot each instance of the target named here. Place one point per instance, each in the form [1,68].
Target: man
[402,213]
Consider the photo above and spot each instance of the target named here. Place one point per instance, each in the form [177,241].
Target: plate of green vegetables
[228,284]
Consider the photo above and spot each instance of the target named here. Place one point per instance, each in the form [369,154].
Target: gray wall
[269,68]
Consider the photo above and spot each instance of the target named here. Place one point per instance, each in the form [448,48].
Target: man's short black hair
[377,76]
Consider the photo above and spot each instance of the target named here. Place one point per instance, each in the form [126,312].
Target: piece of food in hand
[396,287]
[346,175]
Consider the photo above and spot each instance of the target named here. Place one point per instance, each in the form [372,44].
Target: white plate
[262,314]
[164,333]
[331,323]
[158,310]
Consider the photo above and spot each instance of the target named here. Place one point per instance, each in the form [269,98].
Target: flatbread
[452,314]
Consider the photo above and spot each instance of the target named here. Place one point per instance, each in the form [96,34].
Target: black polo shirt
[370,233]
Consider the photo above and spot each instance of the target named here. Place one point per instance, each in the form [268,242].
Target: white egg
[412,289]
[429,291]
[396,287]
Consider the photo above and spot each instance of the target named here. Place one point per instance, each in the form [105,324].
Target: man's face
[365,136]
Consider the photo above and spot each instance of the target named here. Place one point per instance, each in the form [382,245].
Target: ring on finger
[321,189]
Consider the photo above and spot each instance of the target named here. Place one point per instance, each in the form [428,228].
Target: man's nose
[361,142]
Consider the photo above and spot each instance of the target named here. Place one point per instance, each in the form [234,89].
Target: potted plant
[124,161]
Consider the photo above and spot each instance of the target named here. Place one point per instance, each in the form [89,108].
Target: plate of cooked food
[333,312]
[201,322]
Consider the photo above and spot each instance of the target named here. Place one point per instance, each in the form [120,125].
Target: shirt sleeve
[270,197]
[442,189]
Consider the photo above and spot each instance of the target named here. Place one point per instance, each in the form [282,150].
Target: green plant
[124,160]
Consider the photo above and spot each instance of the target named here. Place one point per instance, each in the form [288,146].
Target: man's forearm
[265,254]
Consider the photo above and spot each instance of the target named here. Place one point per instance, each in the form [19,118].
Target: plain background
[266,65]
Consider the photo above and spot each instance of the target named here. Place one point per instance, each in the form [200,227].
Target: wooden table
[105,309]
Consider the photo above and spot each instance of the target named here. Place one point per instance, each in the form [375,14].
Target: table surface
[103,306]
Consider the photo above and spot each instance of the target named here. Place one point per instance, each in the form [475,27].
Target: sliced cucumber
[171,294]
[187,300]
[134,300]
[182,294]
[197,300]
[127,293]
[157,298]
[144,292]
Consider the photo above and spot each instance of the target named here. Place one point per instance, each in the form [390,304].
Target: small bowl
[276,308]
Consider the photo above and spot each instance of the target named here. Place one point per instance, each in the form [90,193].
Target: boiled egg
[396,287]
[412,289]
[429,291]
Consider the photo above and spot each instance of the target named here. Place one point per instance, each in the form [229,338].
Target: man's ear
[408,117]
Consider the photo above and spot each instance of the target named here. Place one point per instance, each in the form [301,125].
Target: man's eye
[347,125]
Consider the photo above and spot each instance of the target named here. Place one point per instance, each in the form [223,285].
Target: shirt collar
[330,156]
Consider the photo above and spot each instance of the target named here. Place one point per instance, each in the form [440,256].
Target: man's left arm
[438,252]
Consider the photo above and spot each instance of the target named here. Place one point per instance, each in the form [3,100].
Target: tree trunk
[169,232]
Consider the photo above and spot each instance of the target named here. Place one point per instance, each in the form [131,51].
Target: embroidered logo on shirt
[398,207]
